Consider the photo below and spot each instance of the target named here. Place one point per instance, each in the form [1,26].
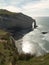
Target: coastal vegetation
[9,23]
[10,56]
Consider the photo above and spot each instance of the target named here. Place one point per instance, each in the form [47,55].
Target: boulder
[44,32]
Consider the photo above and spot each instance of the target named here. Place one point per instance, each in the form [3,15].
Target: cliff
[8,52]
[15,21]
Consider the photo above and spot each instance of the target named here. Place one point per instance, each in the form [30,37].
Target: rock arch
[34,24]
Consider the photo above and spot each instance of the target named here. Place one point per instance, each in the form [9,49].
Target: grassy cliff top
[6,12]
[14,14]
[3,11]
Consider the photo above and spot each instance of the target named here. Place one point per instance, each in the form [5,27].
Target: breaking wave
[34,43]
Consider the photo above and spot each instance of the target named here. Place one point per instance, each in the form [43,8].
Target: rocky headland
[18,23]
[13,27]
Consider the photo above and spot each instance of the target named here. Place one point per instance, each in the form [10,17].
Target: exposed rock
[18,24]
[44,32]
[15,21]
[35,23]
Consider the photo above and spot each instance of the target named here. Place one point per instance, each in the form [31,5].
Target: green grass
[4,11]
[44,60]
[9,54]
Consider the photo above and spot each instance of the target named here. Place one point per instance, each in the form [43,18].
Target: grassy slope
[44,60]
[8,53]
[3,12]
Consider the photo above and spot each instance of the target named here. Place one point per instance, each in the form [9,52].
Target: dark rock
[35,26]
[15,21]
[44,32]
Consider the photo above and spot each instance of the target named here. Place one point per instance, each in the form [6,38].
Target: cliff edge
[15,21]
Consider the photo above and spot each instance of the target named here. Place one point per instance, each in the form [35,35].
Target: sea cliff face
[18,24]
[15,21]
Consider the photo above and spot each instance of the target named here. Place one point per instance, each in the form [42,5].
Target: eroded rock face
[15,21]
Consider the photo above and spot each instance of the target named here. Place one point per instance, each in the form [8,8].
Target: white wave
[46,37]
[40,26]
[32,43]
[28,48]
[43,48]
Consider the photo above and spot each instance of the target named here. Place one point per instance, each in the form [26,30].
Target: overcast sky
[28,7]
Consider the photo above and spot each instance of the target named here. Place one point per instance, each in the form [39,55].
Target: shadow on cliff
[18,24]
[19,33]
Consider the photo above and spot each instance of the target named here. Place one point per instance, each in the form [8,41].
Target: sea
[35,42]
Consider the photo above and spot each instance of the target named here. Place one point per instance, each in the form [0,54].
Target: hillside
[9,54]
[16,22]
[8,51]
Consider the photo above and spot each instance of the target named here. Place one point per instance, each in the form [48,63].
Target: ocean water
[34,42]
